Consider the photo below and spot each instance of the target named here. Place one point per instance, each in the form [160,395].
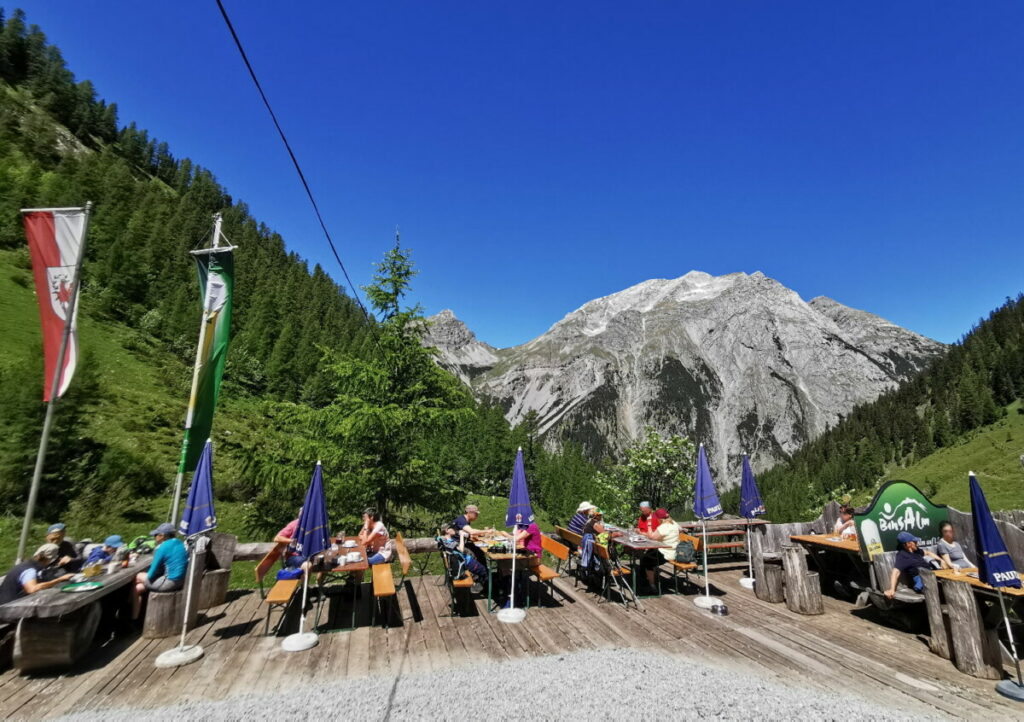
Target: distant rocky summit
[739,362]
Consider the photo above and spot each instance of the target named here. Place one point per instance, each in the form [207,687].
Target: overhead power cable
[298,167]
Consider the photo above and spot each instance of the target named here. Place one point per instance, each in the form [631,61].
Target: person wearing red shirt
[646,524]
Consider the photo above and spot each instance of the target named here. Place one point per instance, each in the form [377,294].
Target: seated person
[909,559]
[666,533]
[166,573]
[23,579]
[579,520]
[646,523]
[374,535]
[527,536]
[950,550]
[290,558]
[455,541]
[103,553]
[464,522]
[68,559]
[845,526]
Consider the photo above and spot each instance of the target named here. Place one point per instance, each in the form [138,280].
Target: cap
[165,529]
[56,527]
[905,536]
[48,551]
[661,514]
[584,506]
[473,507]
[114,540]
[597,512]
[645,505]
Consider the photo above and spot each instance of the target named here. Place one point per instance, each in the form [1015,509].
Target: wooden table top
[973,581]
[53,602]
[722,524]
[835,543]
[639,545]
[360,566]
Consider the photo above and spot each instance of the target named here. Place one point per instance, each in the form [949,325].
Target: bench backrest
[695,540]
[601,551]
[221,551]
[268,561]
[559,551]
[569,537]
[404,559]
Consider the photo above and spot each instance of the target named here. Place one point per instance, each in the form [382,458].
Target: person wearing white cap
[581,517]
[23,578]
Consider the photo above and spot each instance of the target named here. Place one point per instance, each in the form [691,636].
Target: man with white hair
[581,517]
[23,579]
[646,524]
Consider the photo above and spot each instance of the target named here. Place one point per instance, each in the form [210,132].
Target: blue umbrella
[519,509]
[311,537]
[705,506]
[751,505]
[995,568]
[519,512]
[313,533]
[199,515]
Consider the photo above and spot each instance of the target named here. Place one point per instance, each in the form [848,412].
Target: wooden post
[939,640]
[803,589]
[768,587]
[975,649]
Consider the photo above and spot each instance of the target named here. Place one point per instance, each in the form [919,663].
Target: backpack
[685,552]
[141,545]
[454,561]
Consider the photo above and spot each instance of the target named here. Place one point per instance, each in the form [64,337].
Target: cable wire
[298,168]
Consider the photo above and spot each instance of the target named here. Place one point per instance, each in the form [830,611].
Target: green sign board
[898,506]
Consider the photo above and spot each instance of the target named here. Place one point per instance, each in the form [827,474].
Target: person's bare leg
[138,589]
[650,577]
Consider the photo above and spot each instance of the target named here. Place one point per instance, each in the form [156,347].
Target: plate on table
[834,538]
[81,587]
[973,574]
[349,544]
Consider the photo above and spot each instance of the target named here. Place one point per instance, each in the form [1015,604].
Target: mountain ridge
[738,360]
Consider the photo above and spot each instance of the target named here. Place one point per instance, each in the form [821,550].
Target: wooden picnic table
[636,545]
[717,524]
[837,557]
[964,576]
[330,570]
[56,628]
[524,560]
[832,543]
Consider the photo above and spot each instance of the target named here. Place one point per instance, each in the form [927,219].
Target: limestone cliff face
[739,362]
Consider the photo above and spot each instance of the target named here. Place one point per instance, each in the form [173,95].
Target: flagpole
[58,375]
[197,368]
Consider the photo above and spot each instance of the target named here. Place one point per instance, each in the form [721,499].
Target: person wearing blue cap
[909,559]
[167,571]
[69,560]
[104,552]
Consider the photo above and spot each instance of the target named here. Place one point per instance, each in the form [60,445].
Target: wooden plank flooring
[842,650]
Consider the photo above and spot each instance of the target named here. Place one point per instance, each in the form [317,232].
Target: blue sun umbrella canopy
[519,509]
[199,515]
[313,533]
[705,499]
[751,504]
[995,567]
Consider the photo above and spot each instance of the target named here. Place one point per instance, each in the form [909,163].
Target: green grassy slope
[992,452]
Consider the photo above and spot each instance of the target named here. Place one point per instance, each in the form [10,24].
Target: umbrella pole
[302,639]
[1009,635]
[182,655]
[302,609]
[188,594]
[705,601]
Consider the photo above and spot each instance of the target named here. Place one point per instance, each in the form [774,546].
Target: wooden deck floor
[839,651]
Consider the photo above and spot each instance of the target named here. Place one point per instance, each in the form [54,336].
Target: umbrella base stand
[1011,690]
[300,641]
[180,656]
[706,602]
[747,582]
[512,615]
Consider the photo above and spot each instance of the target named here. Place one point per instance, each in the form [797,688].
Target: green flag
[216,285]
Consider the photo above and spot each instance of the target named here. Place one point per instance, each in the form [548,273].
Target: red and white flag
[55,244]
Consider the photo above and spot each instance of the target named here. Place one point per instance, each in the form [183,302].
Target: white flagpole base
[1011,690]
[512,615]
[706,602]
[180,656]
[300,641]
[747,582]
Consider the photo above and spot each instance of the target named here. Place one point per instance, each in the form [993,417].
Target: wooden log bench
[975,648]
[802,586]
[281,593]
[939,640]
[166,610]
[219,555]
[766,543]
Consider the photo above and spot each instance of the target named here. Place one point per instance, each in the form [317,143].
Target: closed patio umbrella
[520,511]
[751,506]
[705,506]
[311,537]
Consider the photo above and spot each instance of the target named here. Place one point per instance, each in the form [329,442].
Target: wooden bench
[545,574]
[280,595]
[614,573]
[881,571]
[572,540]
[454,585]
[166,610]
[384,589]
[685,567]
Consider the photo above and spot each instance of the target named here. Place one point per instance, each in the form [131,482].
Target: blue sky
[538,155]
